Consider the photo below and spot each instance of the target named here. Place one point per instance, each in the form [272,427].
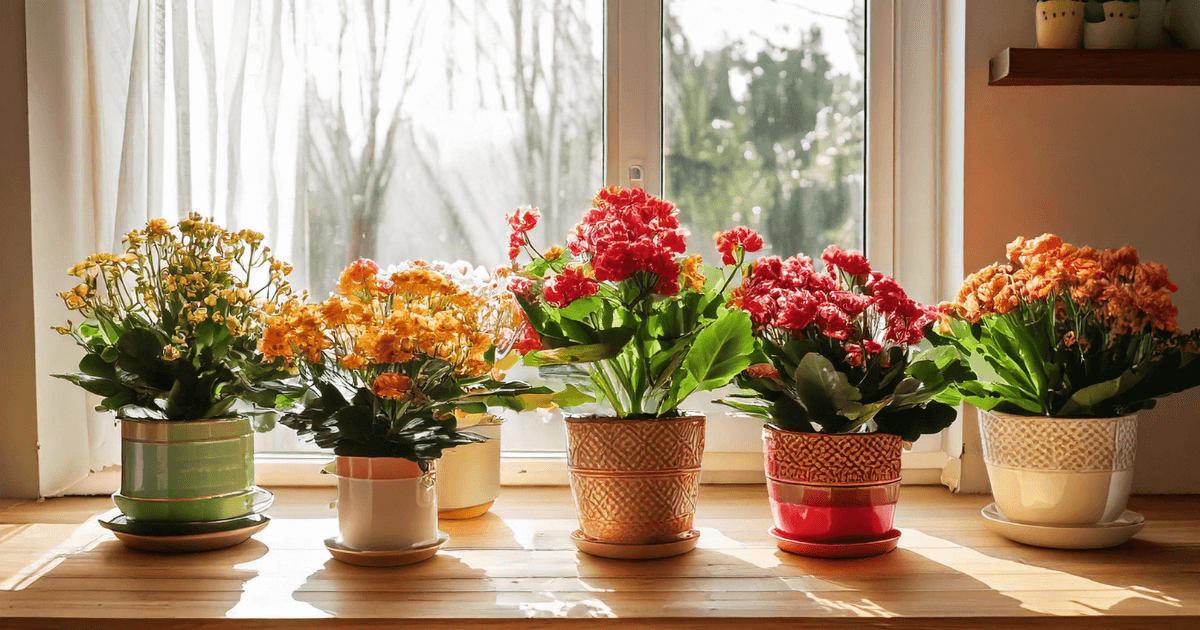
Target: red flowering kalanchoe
[623,299]
[848,302]
[834,351]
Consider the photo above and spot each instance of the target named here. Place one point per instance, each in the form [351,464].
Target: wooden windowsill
[517,568]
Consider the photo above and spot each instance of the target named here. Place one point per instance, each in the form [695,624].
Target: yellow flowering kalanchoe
[171,325]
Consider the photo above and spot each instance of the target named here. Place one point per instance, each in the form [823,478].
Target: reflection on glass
[427,120]
[764,120]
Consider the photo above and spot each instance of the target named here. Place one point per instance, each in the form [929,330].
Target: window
[402,129]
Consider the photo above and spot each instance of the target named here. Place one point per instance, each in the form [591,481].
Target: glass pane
[427,120]
[764,120]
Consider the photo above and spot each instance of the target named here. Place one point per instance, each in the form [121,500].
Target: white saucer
[1097,536]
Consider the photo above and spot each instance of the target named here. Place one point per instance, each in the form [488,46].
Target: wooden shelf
[1042,66]
[516,568]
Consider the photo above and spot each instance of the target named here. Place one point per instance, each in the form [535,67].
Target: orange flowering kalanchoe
[1126,294]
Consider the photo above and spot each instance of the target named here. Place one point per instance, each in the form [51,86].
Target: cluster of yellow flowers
[376,321]
[1124,293]
[193,272]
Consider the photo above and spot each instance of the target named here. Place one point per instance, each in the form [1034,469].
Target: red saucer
[848,549]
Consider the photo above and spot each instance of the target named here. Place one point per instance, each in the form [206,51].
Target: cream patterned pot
[1059,471]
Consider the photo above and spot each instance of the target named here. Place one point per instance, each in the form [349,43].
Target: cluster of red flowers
[629,231]
[568,286]
[729,241]
[519,223]
[849,302]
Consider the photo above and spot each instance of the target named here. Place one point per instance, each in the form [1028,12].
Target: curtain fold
[186,102]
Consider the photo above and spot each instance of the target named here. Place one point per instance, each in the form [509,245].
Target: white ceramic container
[469,475]
[1117,31]
[388,514]
[1059,471]
[1059,23]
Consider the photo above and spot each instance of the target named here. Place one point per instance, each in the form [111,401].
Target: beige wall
[1102,166]
[18,436]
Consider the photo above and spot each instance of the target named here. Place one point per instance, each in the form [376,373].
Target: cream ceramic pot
[1117,31]
[1059,23]
[386,513]
[469,475]
[1059,471]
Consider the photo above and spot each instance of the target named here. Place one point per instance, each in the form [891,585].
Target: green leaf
[1082,401]
[720,352]
[581,309]
[823,391]
[572,354]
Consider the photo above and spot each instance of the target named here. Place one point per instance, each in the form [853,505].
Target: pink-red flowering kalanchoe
[862,308]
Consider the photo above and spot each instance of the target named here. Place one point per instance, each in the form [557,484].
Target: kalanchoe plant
[625,301]
[835,350]
[1070,332]
[394,358]
[171,325]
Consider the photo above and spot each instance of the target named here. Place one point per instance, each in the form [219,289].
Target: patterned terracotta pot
[635,481]
[832,488]
[1059,471]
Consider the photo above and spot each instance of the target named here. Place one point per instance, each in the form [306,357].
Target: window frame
[911,232]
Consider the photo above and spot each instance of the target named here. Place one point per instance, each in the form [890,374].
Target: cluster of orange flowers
[1122,292]
[376,321]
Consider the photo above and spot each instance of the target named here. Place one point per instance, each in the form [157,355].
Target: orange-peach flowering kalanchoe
[1070,331]
[393,355]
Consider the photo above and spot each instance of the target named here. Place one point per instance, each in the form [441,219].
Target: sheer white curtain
[195,106]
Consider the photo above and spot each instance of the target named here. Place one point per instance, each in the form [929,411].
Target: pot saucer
[624,551]
[234,532]
[1098,536]
[115,521]
[846,549]
[393,558]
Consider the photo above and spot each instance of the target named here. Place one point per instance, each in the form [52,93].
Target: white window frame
[910,232]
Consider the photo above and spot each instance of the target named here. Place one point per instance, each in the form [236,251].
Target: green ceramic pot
[187,471]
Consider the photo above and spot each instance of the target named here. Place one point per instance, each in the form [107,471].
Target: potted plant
[1111,25]
[1059,23]
[836,381]
[170,333]
[649,330]
[391,360]
[1068,345]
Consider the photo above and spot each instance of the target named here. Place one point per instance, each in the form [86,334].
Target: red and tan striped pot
[832,488]
[635,481]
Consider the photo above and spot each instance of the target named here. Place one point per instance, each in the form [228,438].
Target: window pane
[427,120]
[764,120]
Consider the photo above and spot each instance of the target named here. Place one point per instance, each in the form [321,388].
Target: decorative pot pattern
[832,488]
[1117,31]
[469,476]
[819,458]
[1059,471]
[387,512]
[1059,23]
[635,481]
[186,470]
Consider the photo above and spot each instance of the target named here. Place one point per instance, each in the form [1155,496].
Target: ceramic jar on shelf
[1111,25]
[1059,23]
[469,475]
